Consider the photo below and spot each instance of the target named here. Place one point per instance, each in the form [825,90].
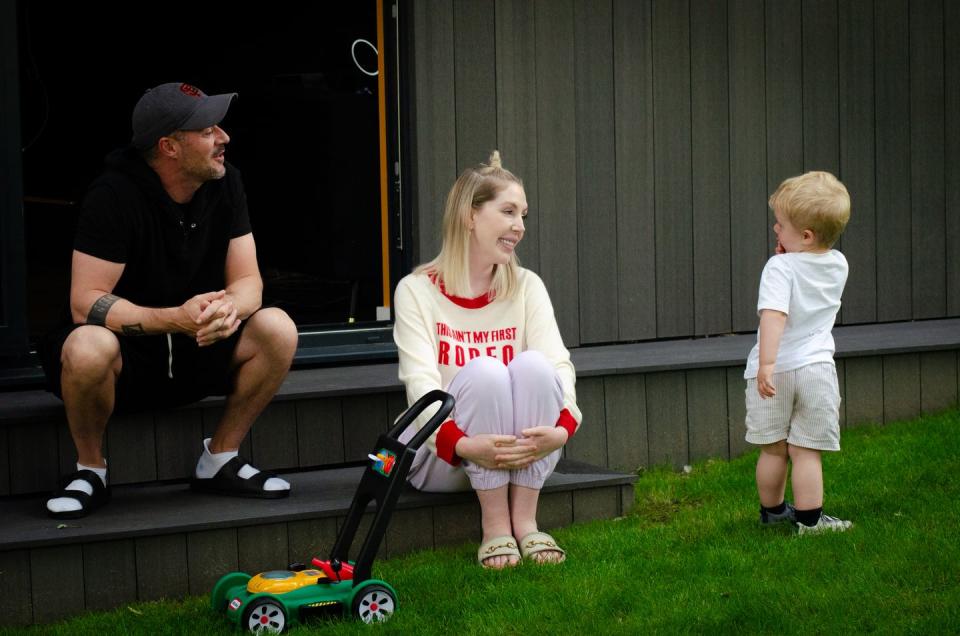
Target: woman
[476,324]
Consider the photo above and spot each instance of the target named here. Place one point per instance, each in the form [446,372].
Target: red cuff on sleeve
[447,438]
[566,421]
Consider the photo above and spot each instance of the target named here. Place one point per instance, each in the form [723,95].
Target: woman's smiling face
[497,227]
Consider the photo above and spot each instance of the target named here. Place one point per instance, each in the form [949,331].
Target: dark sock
[809,518]
[775,510]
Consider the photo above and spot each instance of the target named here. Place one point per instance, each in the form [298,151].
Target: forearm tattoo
[134,330]
[98,313]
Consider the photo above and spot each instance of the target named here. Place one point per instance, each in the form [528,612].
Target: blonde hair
[815,201]
[474,187]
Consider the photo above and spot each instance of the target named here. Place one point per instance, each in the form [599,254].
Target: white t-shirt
[807,287]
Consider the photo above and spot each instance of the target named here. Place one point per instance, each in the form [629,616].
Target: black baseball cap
[175,106]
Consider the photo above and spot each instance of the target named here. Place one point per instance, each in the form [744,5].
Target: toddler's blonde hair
[815,201]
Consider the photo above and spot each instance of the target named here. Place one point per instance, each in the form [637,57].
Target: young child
[793,398]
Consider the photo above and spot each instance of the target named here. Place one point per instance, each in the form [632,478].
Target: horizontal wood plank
[667,418]
[737,412]
[56,582]
[262,547]
[938,381]
[863,379]
[109,574]
[162,567]
[16,596]
[901,387]
[210,555]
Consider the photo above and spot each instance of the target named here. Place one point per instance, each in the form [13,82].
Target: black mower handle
[432,424]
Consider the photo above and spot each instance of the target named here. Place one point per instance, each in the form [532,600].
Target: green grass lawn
[691,557]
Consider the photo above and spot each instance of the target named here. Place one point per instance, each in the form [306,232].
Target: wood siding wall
[650,133]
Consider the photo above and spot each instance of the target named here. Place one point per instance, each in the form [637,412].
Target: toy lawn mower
[272,601]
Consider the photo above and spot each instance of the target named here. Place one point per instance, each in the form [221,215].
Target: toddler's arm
[772,323]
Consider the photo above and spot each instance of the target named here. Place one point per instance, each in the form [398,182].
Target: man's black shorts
[145,380]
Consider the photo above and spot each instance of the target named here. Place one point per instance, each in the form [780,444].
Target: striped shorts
[805,411]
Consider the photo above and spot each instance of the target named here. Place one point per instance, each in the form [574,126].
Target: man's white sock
[209,463]
[69,504]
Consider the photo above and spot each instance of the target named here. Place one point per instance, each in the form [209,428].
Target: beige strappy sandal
[540,542]
[497,546]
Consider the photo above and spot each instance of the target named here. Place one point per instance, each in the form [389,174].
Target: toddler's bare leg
[807,478]
[772,473]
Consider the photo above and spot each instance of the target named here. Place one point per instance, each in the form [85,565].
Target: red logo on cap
[192,91]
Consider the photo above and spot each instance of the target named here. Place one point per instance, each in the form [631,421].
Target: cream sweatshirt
[437,334]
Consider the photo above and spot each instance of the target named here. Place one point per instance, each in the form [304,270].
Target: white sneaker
[826,523]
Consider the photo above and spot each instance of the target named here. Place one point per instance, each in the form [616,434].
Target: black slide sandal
[227,481]
[88,503]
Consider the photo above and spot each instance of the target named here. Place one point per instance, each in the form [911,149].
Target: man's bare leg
[91,364]
[261,361]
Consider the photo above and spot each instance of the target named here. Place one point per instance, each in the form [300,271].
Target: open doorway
[306,132]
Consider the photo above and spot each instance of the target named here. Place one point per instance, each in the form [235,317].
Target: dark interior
[303,130]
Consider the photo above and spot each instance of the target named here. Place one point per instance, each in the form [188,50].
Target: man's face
[202,151]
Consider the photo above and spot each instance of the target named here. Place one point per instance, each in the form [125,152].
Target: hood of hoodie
[127,161]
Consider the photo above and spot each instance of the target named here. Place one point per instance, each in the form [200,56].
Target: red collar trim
[479,302]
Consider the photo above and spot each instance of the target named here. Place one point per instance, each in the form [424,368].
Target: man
[165,300]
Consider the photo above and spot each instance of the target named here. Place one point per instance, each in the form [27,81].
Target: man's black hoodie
[171,252]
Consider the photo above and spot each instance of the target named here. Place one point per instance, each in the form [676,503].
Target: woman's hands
[496,451]
[508,452]
[546,439]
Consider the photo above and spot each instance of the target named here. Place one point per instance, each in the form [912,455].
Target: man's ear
[168,147]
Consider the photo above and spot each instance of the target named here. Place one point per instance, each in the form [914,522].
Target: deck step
[668,402]
[161,541]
